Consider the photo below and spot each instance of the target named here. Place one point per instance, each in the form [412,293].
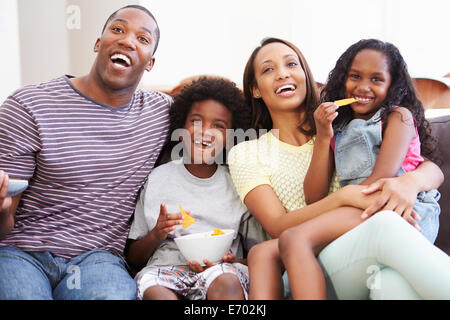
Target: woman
[269,172]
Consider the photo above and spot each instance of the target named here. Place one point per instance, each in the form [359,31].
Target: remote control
[16,186]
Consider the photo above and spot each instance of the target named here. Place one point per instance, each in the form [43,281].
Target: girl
[377,136]
[268,174]
[201,115]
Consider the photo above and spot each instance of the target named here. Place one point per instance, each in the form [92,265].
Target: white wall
[423,35]
[217,37]
[44,51]
[212,37]
[324,29]
[81,38]
[420,29]
[10,78]
[44,39]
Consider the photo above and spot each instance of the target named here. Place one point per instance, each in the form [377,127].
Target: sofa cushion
[441,130]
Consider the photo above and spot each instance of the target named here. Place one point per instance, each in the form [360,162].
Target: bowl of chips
[211,245]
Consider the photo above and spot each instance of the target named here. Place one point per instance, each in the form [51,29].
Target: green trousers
[386,258]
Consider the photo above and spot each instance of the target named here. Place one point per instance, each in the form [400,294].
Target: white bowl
[199,246]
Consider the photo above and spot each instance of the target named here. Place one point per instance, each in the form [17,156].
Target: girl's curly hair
[206,88]
[400,93]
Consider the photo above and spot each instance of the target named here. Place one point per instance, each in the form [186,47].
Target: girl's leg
[386,239]
[265,271]
[300,245]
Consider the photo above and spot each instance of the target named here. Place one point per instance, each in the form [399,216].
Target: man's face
[125,49]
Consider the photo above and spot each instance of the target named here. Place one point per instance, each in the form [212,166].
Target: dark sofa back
[441,130]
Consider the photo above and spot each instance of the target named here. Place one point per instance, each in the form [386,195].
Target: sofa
[441,131]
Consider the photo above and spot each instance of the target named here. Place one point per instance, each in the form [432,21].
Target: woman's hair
[259,113]
[206,88]
[401,92]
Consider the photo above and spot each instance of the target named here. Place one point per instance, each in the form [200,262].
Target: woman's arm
[266,207]
[397,194]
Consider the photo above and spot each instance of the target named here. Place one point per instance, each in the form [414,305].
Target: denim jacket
[356,147]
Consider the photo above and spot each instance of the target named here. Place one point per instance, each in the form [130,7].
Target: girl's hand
[323,117]
[393,196]
[166,222]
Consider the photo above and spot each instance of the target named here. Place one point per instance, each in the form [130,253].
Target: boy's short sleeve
[245,169]
[139,226]
[19,139]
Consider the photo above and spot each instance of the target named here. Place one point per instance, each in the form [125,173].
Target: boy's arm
[397,137]
[141,250]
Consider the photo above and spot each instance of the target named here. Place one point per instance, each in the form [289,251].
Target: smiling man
[86,146]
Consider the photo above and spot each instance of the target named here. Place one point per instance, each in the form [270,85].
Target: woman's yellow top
[267,160]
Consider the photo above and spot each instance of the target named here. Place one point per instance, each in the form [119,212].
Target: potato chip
[344,102]
[187,219]
[217,232]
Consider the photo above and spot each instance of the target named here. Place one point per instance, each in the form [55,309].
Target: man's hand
[5,201]
[6,213]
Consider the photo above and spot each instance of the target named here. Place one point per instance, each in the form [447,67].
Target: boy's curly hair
[401,91]
[204,88]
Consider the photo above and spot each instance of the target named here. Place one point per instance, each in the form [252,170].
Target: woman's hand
[166,222]
[323,117]
[396,194]
[351,195]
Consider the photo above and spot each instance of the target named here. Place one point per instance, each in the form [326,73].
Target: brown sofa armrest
[441,131]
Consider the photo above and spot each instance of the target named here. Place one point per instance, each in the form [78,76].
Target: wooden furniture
[433,93]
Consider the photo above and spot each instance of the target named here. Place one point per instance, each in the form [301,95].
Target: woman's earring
[256,94]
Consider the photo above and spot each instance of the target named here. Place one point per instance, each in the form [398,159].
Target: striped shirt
[85,162]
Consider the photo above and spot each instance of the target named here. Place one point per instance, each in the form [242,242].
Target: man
[86,146]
